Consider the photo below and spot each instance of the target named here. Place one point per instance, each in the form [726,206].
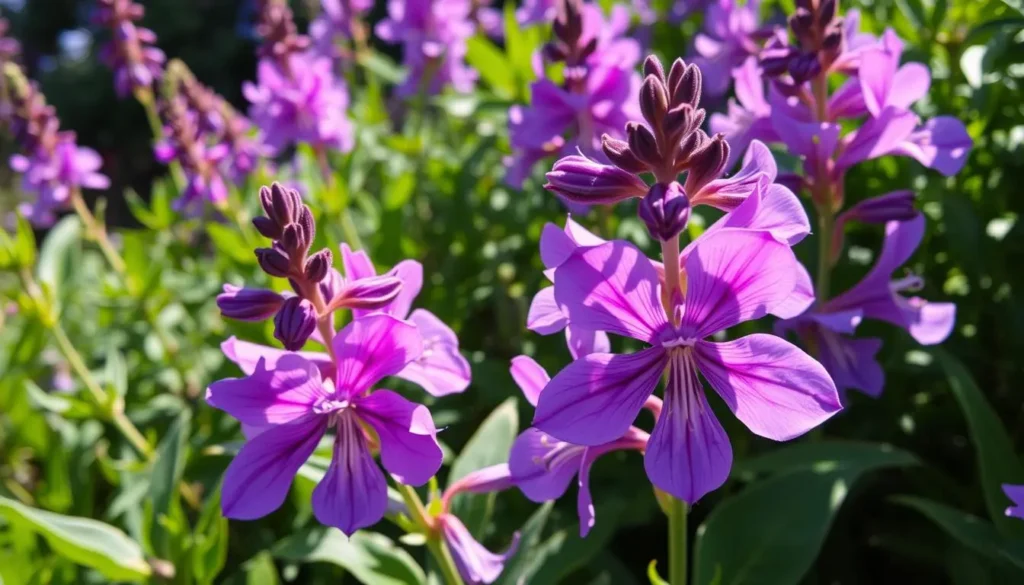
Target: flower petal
[733,276]
[257,480]
[612,287]
[928,323]
[476,564]
[877,137]
[530,377]
[728,193]
[246,355]
[410,272]
[357,263]
[597,397]
[542,466]
[555,246]
[941,143]
[851,361]
[800,300]
[771,385]
[408,438]
[372,348]
[582,341]
[1016,495]
[441,369]
[584,502]
[688,454]
[270,396]
[353,494]
[770,207]
[545,316]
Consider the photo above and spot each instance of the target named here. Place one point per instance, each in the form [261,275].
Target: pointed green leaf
[487,58]
[373,559]
[490,445]
[58,255]
[168,467]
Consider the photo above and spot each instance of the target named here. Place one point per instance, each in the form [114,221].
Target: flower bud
[274,261]
[804,67]
[267,227]
[294,240]
[373,292]
[827,11]
[331,284]
[652,66]
[619,154]
[691,145]
[687,91]
[895,206]
[643,144]
[248,304]
[582,180]
[294,323]
[665,210]
[280,203]
[675,76]
[707,164]
[317,265]
[653,100]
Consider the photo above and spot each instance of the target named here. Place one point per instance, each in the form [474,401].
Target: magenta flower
[433,36]
[335,22]
[50,174]
[542,467]
[136,62]
[1016,495]
[730,36]
[731,276]
[748,115]
[200,161]
[850,361]
[288,407]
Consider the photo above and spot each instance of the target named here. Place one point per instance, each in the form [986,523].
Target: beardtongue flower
[433,35]
[1016,495]
[731,276]
[289,406]
[542,467]
[130,52]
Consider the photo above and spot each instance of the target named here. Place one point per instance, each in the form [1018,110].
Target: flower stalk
[435,543]
[677,541]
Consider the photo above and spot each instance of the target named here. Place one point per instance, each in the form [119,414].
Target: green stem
[826,224]
[677,536]
[435,543]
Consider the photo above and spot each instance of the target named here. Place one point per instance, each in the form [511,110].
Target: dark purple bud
[317,265]
[687,91]
[804,67]
[568,25]
[332,284]
[652,66]
[827,12]
[675,75]
[267,227]
[274,261]
[582,180]
[653,100]
[374,292]
[833,40]
[308,225]
[643,144]
[280,203]
[898,206]
[248,304]
[619,154]
[587,50]
[294,240]
[665,210]
[800,22]
[554,52]
[692,144]
[707,164]
[294,323]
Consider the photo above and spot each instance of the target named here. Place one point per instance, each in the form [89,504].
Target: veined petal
[270,396]
[688,454]
[941,143]
[440,369]
[728,193]
[770,207]
[877,137]
[555,246]
[530,377]
[353,494]
[581,235]
[733,276]
[582,341]
[410,272]
[246,355]
[408,438]
[773,387]
[542,466]
[584,501]
[851,361]
[476,564]
[597,397]
[545,316]
[257,480]
[372,348]
[612,287]
[356,263]
[800,300]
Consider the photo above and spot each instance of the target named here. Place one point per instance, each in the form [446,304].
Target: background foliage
[905,487]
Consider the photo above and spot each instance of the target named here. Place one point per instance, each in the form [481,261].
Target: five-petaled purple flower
[287,405]
[731,276]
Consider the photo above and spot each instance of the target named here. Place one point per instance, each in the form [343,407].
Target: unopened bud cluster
[567,44]
[819,34]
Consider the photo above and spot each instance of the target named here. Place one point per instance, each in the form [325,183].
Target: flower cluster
[53,167]
[731,34]
[296,97]
[185,142]
[596,97]
[290,399]
[130,52]
[800,111]
[338,19]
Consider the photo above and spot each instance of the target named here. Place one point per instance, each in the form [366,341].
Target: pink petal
[688,454]
[411,274]
[734,276]
[555,246]
[877,137]
[476,564]
[583,341]
[542,466]
[769,207]
[876,72]
[356,263]
[440,369]
[246,355]
[408,438]
[800,300]
[530,377]
[353,494]
[257,480]
[772,386]
[545,316]
[910,84]
[372,348]
[612,287]
[270,396]
[596,398]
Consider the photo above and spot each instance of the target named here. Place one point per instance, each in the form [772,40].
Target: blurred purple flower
[184,143]
[287,407]
[52,171]
[130,52]
[433,36]
[1016,495]
[731,34]
[336,20]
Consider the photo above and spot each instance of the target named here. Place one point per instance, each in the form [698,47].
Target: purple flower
[732,276]
[748,115]
[727,41]
[476,564]
[336,21]
[130,53]
[542,467]
[433,36]
[200,161]
[52,172]
[288,407]
[1016,495]
[828,327]
[536,11]
[305,103]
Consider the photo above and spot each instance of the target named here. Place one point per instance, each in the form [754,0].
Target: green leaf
[168,467]
[823,456]
[398,192]
[82,540]
[260,570]
[373,559]
[771,532]
[971,531]
[210,541]
[653,576]
[231,242]
[998,463]
[527,559]
[115,372]
[487,58]
[24,243]
[63,404]
[58,255]
[490,445]
[382,67]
